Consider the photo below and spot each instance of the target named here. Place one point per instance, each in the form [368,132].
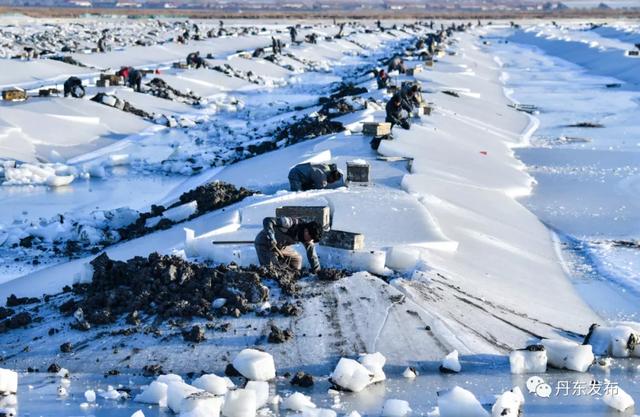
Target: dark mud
[308,128]
[159,88]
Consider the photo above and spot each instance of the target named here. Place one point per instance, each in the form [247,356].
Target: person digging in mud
[303,177]
[195,60]
[411,95]
[73,86]
[382,79]
[135,79]
[395,112]
[274,243]
[397,64]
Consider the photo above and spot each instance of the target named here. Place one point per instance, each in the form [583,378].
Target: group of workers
[274,243]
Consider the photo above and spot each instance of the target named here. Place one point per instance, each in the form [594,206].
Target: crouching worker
[396,110]
[135,79]
[274,243]
[382,79]
[303,177]
[73,86]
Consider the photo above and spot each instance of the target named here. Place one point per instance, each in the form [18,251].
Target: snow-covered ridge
[467,264]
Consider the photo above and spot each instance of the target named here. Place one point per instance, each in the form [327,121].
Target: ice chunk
[63,373]
[451,363]
[211,383]
[155,393]
[138,413]
[262,392]
[298,402]
[8,381]
[458,402]
[8,401]
[616,341]
[8,412]
[533,359]
[169,378]
[409,373]
[59,180]
[180,213]
[176,392]
[240,403]
[152,222]
[110,394]
[395,408]
[255,365]
[219,303]
[117,160]
[508,404]
[616,398]
[96,171]
[374,362]
[318,412]
[90,396]
[121,217]
[201,404]
[402,258]
[564,354]
[351,375]
[85,275]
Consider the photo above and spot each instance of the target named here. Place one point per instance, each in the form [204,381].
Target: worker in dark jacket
[382,79]
[195,60]
[411,96]
[303,177]
[73,86]
[274,243]
[293,32]
[395,114]
[135,79]
[397,64]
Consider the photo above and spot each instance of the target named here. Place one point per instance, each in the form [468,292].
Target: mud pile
[163,286]
[308,128]
[209,197]
[159,88]
[214,195]
[118,103]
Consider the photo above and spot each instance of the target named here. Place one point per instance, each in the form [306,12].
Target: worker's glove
[273,245]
